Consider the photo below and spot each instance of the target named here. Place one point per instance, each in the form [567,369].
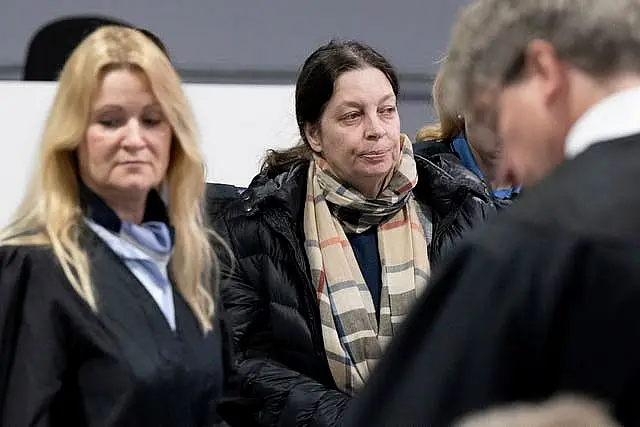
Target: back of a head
[488,41]
[450,123]
[155,39]
[315,85]
[566,411]
[52,44]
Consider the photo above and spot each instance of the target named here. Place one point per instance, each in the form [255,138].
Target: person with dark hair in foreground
[544,299]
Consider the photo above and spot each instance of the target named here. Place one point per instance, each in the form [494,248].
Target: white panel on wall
[236,123]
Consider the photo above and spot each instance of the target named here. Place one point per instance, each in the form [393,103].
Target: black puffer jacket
[219,196]
[282,377]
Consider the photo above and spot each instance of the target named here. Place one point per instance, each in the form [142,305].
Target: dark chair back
[53,43]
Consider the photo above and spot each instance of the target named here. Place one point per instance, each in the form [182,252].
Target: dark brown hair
[314,89]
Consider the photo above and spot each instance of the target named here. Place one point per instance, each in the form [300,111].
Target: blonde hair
[50,214]
[449,125]
[561,411]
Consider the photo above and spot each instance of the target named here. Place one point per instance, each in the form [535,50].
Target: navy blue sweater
[365,248]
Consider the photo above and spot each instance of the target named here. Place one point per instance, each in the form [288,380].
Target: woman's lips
[375,155]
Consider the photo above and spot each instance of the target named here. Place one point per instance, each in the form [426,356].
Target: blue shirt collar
[461,147]
[99,212]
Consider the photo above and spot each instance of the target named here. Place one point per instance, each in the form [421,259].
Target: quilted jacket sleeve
[260,391]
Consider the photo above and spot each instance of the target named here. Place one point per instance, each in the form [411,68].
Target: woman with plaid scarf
[333,242]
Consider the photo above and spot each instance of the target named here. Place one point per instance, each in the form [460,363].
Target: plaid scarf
[353,338]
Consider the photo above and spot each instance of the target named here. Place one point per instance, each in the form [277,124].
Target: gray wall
[261,41]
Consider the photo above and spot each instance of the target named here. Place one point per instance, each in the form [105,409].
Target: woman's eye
[151,121]
[389,110]
[351,116]
[110,123]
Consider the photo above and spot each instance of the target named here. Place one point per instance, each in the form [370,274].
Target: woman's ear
[312,133]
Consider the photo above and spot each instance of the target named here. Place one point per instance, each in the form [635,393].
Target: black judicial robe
[61,364]
[544,299]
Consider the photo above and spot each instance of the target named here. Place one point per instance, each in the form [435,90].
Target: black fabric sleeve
[519,315]
[260,391]
[32,351]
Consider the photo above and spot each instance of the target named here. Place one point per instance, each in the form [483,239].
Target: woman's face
[128,141]
[359,132]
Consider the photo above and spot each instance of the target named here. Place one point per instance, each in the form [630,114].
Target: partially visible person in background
[456,135]
[543,300]
[106,270]
[52,44]
[561,411]
[334,241]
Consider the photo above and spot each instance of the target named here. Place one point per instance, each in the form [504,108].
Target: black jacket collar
[99,212]
[286,190]
[442,182]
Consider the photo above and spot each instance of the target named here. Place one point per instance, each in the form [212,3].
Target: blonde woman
[477,151]
[105,307]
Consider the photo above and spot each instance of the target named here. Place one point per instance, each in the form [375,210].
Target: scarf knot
[357,213]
